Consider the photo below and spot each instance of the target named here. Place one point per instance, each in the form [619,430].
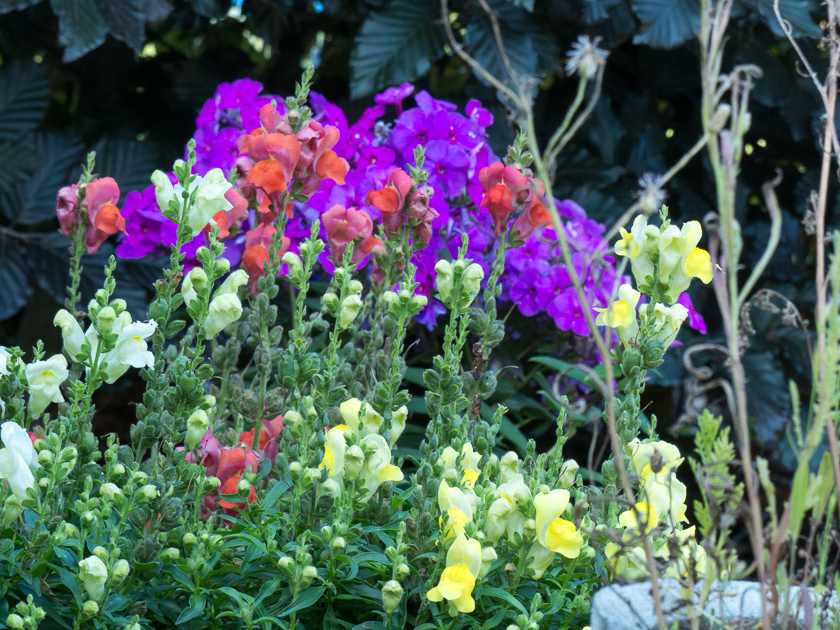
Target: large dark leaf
[125,21]
[15,274]
[529,49]
[130,162]
[81,27]
[396,45]
[16,5]
[666,23]
[33,201]
[797,12]
[24,94]
[49,259]
[19,165]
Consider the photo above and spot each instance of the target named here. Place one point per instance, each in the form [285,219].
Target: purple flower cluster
[456,149]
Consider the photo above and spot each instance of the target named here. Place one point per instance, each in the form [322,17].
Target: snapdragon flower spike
[257,247]
[67,208]
[390,200]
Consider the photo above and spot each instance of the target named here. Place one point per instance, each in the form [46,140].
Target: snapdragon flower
[44,379]
[463,565]
[17,459]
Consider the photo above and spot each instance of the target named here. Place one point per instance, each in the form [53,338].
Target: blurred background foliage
[127,78]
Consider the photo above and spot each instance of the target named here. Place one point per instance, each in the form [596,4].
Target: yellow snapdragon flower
[642,516]
[463,565]
[506,511]
[458,505]
[621,314]
[334,451]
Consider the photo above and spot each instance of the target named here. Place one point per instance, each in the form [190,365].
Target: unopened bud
[392,594]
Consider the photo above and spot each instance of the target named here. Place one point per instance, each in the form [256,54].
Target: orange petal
[109,219]
[384,200]
[330,166]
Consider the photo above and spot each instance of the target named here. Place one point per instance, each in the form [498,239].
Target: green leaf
[24,95]
[306,599]
[197,603]
[69,580]
[81,27]
[666,23]
[129,162]
[396,45]
[502,594]
[529,49]
[15,272]
[33,200]
[796,12]
[125,21]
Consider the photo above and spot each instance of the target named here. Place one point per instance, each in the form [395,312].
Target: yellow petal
[390,473]
[643,514]
[698,264]
[469,478]
[563,538]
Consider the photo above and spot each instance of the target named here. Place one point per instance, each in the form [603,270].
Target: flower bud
[330,300]
[392,594]
[390,298]
[88,518]
[197,425]
[101,553]
[169,555]
[354,286]
[106,318]
[338,543]
[14,621]
[119,305]
[331,487]
[350,308]
[222,265]
[286,563]
[295,265]
[45,458]
[109,490]
[90,609]
[118,470]
[419,301]
[310,573]
[402,571]
[444,279]
[194,282]
[312,475]
[295,468]
[11,509]
[120,571]
[568,473]
[147,493]
[243,488]
[354,459]
[189,540]
[94,575]
[470,285]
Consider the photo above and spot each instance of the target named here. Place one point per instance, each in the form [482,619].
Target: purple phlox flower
[525,292]
[370,154]
[238,94]
[453,128]
[359,131]
[319,202]
[428,104]
[209,115]
[695,319]
[534,253]
[568,313]
[141,211]
[551,285]
[215,149]
[479,116]
[568,209]
[447,167]
[328,113]
[429,315]
[412,128]
[395,96]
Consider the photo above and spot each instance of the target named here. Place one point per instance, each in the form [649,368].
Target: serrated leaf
[24,164]
[125,21]
[81,27]
[14,271]
[33,200]
[129,162]
[24,95]
[396,45]
[796,12]
[529,49]
[666,23]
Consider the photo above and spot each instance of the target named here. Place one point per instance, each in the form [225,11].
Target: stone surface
[630,607]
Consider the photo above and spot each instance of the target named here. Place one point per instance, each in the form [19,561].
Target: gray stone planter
[630,607]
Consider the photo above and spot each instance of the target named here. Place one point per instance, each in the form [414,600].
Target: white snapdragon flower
[94,575]
[225,307]
[18,459]
[209,198]
[71,331]
[131,348]
[44,379]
